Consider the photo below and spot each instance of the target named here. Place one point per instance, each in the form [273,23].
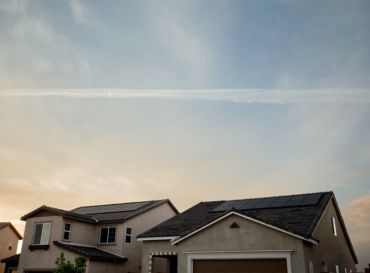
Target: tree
[65,266]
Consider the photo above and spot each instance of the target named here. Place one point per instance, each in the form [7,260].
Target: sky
[115,101]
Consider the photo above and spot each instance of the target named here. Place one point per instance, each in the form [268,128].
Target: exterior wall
[7,236]
[220,238]
[101,267]
[139,225]
[333,250]
[88,234]
[42,259]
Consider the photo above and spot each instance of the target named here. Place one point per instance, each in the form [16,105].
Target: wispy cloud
[269,96]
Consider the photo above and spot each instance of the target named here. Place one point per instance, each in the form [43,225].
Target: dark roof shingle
[300,220]
[92,253]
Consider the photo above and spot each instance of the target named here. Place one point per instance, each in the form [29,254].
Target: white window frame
[115,235]
[336,268]
[128,235]
[46,241]
[68,231]
[230,255]
[334,226]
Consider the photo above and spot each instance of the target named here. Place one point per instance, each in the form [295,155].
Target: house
[105,235]
[302,233]
[9,238]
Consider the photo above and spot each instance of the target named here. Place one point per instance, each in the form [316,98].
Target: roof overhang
[168,238]
[180,239]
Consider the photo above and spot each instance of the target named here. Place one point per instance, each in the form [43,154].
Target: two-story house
[302,233]
[9,238]
[105,235]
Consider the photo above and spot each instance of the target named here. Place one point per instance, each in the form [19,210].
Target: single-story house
[302,233]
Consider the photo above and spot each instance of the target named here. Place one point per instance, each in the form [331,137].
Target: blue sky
[298,121]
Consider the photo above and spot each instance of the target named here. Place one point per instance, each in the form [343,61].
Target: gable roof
[102,214]
[112,213]
[92,253]
[299,220]
[8,224]
[297,215]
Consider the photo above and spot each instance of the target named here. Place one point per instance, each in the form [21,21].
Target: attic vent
[234,225]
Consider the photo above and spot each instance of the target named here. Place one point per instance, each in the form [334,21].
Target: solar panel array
[271,202]
[111,208]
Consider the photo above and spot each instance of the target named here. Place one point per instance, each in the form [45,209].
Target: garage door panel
[240,266]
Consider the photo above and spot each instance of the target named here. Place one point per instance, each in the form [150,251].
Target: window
[128,235]
[107,235]
[336,268]
[10,245]
[310,267]
[67,232]
[41,234]
[334,226]
[324,267]
[345,270]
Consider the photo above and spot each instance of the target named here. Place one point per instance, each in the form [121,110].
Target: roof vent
[234,225]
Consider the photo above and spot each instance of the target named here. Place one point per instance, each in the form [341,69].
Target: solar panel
[111,208]
[294,200]
[311,199]
[264,203]
[279,201]
[270,202]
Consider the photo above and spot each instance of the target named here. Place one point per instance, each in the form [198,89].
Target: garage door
[240,266]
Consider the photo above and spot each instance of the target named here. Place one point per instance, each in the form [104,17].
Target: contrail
[248,96]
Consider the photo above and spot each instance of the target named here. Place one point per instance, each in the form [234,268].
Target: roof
[297,215]
[65,213]
[300,220]
[8,224]
[92,253]
[119,212]
[102,214]
[12,260]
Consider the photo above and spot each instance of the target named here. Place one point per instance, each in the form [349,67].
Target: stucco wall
[333,250]
[138,224]
[88,234]
[220,237]
[42,259]
[7,236]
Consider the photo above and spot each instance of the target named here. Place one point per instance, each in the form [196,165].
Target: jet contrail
[248,96]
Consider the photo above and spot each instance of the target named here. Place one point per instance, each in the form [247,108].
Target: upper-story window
[107,235]
[67,232]
[128,235]
[41,234]
[334,227]
[10,245]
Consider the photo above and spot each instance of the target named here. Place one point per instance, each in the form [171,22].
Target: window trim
[115,235]
[128,235]
[68,231]
[34,231]
[337,268]
[334,226]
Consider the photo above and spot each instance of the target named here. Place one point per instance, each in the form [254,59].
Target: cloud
[177,32]
[357,213]
[82,14]
[249,96]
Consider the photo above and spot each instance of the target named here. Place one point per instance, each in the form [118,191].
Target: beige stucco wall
[138,224]
[88,234]
[42,259]
[333,250]
[250,236]
[7,236]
